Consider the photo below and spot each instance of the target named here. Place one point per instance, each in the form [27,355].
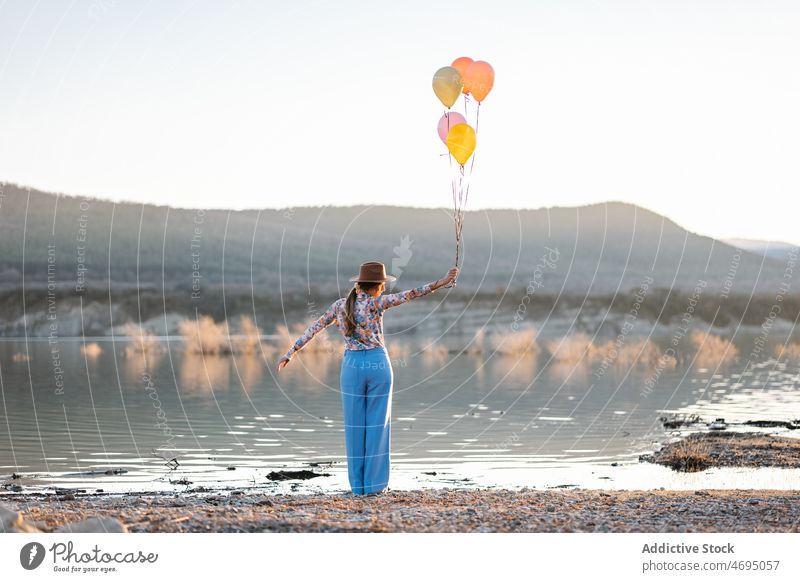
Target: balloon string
[455,214]
[453,189]
[460,213]
[456,219]
[456,195]
[472,163]
[458,191]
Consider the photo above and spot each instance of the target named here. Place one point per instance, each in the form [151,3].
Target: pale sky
[690,108]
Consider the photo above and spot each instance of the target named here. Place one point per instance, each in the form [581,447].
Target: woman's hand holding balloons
[446,281]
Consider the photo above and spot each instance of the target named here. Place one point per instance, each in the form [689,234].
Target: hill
[83,243]
[95,264]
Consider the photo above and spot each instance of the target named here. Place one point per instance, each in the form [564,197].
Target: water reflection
[204,374]
[510,372]
[250,370]
[489,413]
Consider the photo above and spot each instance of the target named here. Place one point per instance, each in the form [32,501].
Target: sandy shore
[446,510]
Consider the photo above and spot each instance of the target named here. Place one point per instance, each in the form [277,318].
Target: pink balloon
[447,121]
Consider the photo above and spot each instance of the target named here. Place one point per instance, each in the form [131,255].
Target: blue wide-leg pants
[366,386]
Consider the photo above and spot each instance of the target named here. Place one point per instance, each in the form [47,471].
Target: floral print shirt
[368,315]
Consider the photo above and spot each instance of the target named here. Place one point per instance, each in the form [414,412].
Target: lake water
[67,417]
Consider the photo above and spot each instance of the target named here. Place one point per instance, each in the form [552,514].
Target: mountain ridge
[602,247]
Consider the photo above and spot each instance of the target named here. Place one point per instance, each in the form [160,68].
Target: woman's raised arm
[395,299]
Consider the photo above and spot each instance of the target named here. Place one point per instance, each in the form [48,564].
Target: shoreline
[435,510]
[445,509]
[706,459]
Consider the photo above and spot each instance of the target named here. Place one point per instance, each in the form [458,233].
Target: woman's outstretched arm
[395,299]
[324,321]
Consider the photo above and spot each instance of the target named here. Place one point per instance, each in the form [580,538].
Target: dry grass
[249,336]
[573,348]
[435,354]
[712,350]
[689,455]
[788,352]
[701,450]
[141,354]
[204,336]
[399,352]
[667,362]
[478,343]
[520,342]
[631,353]
[144,341]
[579,347]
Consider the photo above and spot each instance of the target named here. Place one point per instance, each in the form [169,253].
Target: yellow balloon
[461,142]
[447,84]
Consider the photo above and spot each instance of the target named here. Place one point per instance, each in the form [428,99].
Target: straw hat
[372,272]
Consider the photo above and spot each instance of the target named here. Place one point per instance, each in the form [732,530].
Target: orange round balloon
[479,80]
[461,64]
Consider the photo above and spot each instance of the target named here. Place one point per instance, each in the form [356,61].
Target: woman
[366,376]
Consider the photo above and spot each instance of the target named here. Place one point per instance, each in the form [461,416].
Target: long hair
[350,304]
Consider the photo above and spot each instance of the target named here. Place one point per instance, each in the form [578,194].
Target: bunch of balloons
[470,78]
